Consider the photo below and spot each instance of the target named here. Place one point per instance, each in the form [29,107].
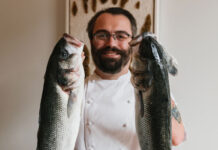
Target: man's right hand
[73,41]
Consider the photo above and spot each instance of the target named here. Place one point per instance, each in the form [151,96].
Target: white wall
[28,31]
[188,29]
[30,28]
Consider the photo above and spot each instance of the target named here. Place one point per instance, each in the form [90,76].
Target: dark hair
[113,11]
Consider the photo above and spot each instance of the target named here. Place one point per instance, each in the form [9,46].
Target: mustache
[108,48]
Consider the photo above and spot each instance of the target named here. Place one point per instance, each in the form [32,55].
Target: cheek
[98,45]
[124,46]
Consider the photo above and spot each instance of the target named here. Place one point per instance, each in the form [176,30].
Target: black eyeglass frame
[108,34]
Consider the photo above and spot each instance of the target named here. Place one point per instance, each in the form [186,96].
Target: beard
[110,65]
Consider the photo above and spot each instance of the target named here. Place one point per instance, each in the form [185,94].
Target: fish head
[66,62]
[147,47]
[68,55]
[147,53]
[141,62]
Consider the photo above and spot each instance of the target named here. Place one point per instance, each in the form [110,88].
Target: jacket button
[89,123]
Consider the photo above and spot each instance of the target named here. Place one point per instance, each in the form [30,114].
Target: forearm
[178,130]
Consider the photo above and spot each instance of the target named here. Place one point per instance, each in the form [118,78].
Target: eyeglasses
[105,36]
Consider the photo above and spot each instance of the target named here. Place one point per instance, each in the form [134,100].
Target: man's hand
[75,74]
[73,41]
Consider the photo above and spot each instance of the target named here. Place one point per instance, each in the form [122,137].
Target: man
[108,121]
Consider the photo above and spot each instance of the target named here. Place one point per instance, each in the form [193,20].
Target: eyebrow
[101,30]
[119,31]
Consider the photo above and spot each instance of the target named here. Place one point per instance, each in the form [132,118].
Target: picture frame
[78,13]
[155,17]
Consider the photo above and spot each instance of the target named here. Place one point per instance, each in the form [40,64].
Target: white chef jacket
[108,120]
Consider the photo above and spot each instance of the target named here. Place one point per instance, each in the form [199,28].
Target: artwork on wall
[79,12]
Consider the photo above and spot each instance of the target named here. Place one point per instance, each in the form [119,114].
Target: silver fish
[59,116]
[149,68]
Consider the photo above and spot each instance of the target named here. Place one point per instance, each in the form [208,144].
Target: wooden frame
[78,26]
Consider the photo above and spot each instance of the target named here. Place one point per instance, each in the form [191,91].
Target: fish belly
[153,116]
[56,130]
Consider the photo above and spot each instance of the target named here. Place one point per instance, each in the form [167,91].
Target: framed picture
[79,12]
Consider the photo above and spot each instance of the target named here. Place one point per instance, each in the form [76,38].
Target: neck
[109,76]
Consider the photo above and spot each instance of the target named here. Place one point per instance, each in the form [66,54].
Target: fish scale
[149,68]
[144,125]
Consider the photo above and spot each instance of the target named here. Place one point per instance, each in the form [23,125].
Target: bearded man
[108,120]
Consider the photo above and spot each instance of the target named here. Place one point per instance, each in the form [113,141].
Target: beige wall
[28,32]
[189,30]
[30,28]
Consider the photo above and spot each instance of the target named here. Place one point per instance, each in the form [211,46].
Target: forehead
[112,23]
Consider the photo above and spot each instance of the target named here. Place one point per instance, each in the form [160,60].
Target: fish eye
[64,54]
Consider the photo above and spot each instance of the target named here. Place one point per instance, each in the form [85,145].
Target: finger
[136,40]
[72,40]
[83,58]
[67,91]
[140,37]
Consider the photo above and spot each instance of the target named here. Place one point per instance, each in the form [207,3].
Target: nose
[112,41]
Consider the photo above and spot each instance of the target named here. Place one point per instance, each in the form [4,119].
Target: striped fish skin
[153,104]
[59,116]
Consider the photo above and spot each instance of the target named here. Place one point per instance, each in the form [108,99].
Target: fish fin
[70,104]
[171,62]
[171,66]
[142,111]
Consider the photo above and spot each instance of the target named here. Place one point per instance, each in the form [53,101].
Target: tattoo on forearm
[176,114]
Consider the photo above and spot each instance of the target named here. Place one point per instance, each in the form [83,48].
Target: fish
[149,69]
[62,98]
